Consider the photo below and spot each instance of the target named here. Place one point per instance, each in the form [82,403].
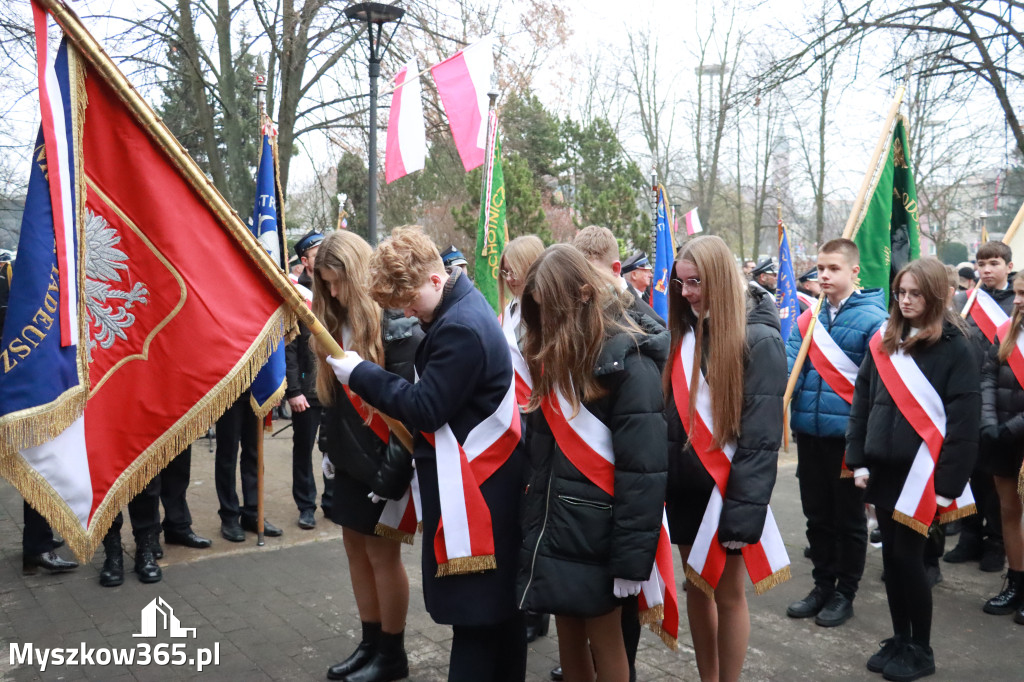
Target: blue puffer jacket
[816,409]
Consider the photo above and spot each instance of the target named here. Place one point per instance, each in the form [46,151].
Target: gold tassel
[37,425]
[390,533]
[845,473]
[777,578]
[466,564]
[1020,483]
[697,579]
[910,522]
[668,639]
[652,615]
[960,513]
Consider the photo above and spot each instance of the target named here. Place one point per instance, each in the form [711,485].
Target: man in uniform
[453,258]
[764,275]
[637,272]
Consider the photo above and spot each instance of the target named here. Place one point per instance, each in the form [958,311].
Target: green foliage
[952,253]
[524,214]
[352,180]
[532,132]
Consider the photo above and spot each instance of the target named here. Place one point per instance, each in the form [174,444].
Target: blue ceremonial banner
[664,253]
[268,386]
[44,384]
[785,288]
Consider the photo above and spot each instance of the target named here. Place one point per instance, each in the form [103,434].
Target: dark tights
[910,598]
[489,653]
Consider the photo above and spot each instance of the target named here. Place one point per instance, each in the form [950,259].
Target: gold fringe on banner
[466,564]
[946,517]
[697,579]
[910,522]
[281,335]
[777,578]
[652,615]
[394,534]
[670,641]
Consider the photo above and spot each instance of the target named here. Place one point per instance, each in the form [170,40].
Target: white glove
[625,588]
[375,498]
[734,544]
[943,501]
[860,477]
[343,366]
[327,468]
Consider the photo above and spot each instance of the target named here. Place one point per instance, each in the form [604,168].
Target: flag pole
[654,214]
[1007,238]
[488,167]
[260,86]
[849,232]
[91,50]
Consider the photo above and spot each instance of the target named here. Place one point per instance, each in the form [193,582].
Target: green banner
[890,235]
[491,231]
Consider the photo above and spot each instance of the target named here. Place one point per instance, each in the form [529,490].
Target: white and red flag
[693,222]
[462,81]
[406,146]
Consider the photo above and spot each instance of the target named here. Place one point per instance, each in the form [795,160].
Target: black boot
[112,573]
[388,664]
[146,566]
[361,656]
[1011,598]
[537,625]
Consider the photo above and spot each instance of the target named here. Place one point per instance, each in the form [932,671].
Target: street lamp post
[374,15]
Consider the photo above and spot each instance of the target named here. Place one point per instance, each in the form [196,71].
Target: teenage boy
[832,504]
[981,536]
[465,381]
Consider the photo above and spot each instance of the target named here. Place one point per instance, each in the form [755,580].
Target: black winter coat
[752,476]
[577,538]
[352,446]
[1002,407]
[880,438]
[300,362]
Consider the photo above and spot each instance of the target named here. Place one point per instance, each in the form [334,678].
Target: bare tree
[656,108]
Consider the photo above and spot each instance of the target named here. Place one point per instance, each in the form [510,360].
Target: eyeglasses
[911,295]
[680,284]
[508,275]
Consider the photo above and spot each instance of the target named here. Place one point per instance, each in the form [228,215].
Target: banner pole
[259,85]
[849,232]
[163,138]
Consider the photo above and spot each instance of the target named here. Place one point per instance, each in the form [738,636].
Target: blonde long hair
[346,255]
[566,328]
[518,256]
[724,303]
[1016,320]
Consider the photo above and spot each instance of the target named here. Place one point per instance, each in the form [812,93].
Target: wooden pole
[849,232]
[1007,238]
[259,483]
[100,61]
[261,89]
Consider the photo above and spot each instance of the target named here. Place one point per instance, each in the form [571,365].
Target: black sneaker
[933,574]
[963,552]
[875,536]
[993,558]
[911,662]
[307,520]
[837,611]
[890,647]
[810,605]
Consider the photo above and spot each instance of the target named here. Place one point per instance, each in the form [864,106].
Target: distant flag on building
[269,385]
[491,231]
[664,254]
[406,146]
[785,288]
[692,219]
[462,82]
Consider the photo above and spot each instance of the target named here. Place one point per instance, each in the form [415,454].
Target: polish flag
[462,81]
[406,147]
[693,222]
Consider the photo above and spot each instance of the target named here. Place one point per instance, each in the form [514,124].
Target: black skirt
[685,509]
[1002,460]
[351,507]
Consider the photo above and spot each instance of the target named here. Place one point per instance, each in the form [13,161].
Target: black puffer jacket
[1002,401]
[577,538]
[1004,297]
[880,438]
[352,446]
[752,477]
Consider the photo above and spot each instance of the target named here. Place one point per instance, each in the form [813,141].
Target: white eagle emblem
[102,261]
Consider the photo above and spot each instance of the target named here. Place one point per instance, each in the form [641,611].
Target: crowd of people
[554,445]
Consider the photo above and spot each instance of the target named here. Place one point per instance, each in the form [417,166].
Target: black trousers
[37,536]
[174,481]
[489,653]
[236,427]
[834,509]
[910,598]
[143,511]
[631,632]
[987,524]
[304,428]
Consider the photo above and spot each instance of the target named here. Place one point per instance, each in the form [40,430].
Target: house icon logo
[158,616]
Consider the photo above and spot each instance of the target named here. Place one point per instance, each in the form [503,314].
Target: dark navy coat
[464,371]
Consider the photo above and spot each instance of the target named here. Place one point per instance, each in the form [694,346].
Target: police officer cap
[809,276]
[308,241]
[967,272]
[764,267]
[638,261]
[452,257]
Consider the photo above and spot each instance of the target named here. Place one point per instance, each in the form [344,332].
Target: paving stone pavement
[285,611]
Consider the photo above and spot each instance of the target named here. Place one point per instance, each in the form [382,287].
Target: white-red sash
[987,314]
[807,300]
[587,442]
[464,542]
[766,560]
[1016,358]
[922,406]
[828,359]
[307,294]
[509,326]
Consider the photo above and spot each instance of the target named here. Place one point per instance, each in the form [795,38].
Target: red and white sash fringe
[987,314]
[807,300]
[509,324]
[587,442]
[766,560]
[922,406]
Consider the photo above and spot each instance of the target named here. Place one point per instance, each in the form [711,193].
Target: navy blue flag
[664,253]
[785,288]
[268,386]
